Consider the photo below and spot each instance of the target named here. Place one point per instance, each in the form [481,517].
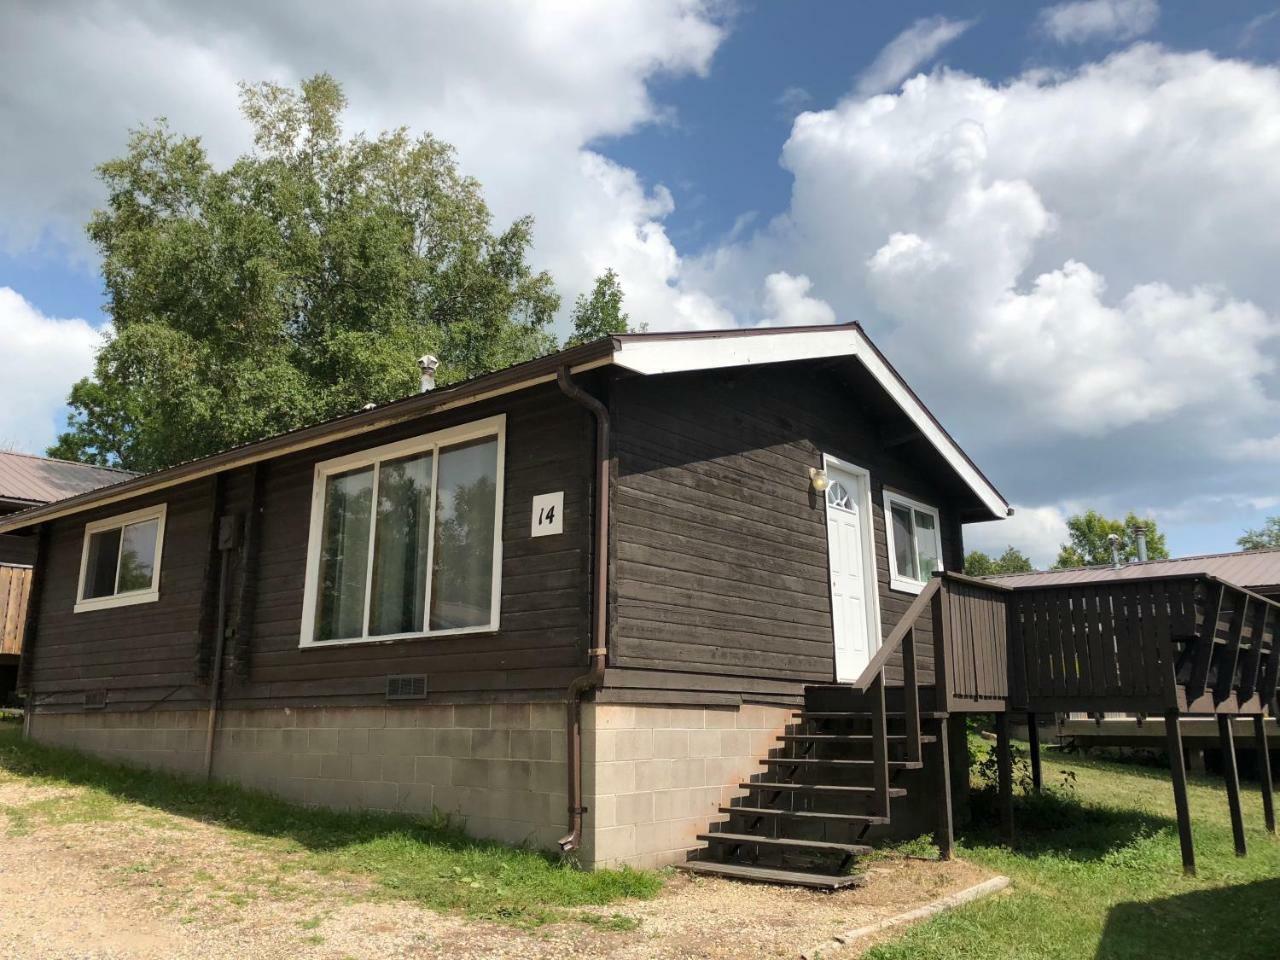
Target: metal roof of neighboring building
[29,479]
[1254,568]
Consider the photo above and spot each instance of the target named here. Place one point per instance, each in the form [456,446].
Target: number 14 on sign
[548,514]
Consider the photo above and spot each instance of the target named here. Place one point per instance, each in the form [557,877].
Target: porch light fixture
[818,480]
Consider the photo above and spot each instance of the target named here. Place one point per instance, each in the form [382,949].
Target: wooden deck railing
[1191,643]
[15,590]
[971,644]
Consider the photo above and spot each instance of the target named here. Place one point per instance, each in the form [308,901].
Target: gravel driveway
[153,886]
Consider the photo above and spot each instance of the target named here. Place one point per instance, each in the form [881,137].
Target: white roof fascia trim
[654,355]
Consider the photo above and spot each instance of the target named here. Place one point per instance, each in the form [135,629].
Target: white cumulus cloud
[521,88]
[1075,269]
[42,357]
[905,53]
[1037,531]
[1087,20]
[787,302]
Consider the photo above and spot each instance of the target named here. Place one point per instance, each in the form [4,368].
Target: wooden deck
[1174,647]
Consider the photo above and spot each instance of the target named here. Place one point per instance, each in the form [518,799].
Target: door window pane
[400,549]
[904,543]
[138,556]
[344,554]
[100,568]
[926,544]
[466,500]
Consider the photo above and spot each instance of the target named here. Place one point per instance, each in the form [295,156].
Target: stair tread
[820,761]
[795,878]
[850,737]
[805,814]
[818,787]
[860,715]
[854,849]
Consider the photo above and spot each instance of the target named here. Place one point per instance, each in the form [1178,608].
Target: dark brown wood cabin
[578,603]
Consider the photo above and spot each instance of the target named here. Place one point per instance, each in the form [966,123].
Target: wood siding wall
[721,549]
[16,549]
[142,654]
[158,654]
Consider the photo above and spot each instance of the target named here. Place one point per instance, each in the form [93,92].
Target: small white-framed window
[914,533]
[406,539]
[120,560]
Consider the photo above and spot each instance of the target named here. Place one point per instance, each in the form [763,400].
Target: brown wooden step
[822,761]
[848,737]
[834,788]
[754,874]
[806,815]
[860,715]
[788,843]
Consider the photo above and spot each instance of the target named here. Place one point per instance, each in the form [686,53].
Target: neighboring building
[29,481]
[1255,570]
[578,602]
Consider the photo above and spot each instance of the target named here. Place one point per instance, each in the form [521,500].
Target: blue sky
[1057,228]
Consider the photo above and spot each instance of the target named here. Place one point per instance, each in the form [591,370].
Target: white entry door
[848,532]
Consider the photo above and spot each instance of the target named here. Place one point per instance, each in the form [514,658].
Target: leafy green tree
[599,314]
[1265,537]
[301,282]
[1013,560]
[1089,544]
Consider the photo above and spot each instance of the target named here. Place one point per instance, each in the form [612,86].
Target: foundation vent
[407,686]
[95,699]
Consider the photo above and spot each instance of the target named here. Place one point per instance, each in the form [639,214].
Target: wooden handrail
[894,640]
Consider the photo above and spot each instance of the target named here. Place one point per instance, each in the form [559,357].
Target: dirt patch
[152,886]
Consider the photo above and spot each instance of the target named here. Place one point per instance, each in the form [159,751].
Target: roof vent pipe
[1114,540]
[1140,534]
[428,364]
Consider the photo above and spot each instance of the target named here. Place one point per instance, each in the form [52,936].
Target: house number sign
[548,514]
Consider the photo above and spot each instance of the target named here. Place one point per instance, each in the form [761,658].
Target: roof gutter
[597,655]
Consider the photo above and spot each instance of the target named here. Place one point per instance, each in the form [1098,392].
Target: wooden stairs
[832,778]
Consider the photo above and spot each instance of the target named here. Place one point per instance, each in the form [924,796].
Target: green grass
[1097,875]
[431,861]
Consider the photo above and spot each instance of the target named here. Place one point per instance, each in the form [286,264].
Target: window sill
[490,629]
[122,600]
[903,585]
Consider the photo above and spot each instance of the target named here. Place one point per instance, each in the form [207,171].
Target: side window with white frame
[120,560]
[915,542]
[406,539]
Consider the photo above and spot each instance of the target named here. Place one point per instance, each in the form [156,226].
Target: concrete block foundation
[654,776]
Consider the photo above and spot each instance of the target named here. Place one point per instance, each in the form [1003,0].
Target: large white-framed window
[120,560]
[914,533]
[406,539]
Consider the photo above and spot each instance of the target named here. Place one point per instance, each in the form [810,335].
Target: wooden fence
[15,590]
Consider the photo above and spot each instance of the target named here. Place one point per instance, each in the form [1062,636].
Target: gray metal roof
[1255,568]
[31,479]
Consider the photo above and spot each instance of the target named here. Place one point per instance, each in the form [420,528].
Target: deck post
[1226,740]
[1178,768]
[1004,765]
[1033,740]
[1264,771]
[944,829]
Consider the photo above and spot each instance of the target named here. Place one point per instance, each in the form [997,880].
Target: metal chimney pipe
[1140,534]
[1114,540]
[428,364]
